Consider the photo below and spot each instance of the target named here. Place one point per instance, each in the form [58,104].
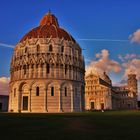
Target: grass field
[110,125]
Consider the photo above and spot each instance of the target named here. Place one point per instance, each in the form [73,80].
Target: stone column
[30,71]
[30,100]
[60,100]
[72,109]
[45,101]
[44,70]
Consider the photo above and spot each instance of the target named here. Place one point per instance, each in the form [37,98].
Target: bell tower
[132,83]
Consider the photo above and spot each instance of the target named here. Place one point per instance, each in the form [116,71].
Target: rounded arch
[52,83]
[21,85]
[66,84]
[36,84]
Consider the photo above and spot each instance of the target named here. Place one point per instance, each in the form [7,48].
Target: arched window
[65,69]
[50,48]
[24,69]
[48,68]
[65,91]
[38,48]
[52,91]
[14,92]
[26,50]
[62,49]
[37,91]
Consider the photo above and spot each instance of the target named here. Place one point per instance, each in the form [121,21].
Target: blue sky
[96,25]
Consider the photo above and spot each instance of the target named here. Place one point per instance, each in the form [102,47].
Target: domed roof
[48,27]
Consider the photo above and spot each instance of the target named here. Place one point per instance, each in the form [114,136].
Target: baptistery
[47,71]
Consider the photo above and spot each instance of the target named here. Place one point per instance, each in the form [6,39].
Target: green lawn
[110,125]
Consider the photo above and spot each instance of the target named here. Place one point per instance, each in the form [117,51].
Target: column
[60,100]
[44,70]
[30,71]
[72,101]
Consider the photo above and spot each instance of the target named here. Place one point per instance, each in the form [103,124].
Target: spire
[49,19]
[49,11]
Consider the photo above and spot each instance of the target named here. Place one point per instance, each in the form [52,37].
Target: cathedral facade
[47,71]
[100,94]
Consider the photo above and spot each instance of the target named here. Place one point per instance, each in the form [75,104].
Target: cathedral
[100,94]
[47,71]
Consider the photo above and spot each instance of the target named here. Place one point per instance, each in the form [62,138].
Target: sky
[108,31]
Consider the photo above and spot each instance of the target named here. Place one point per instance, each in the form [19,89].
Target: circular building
[47,71]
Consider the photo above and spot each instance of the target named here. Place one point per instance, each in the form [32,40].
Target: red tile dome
[48,27]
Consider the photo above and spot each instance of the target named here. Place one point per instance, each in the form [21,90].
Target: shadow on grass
[110,125]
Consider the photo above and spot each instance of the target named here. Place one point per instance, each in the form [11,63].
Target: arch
[36,83]
[67,99]
[52,91]
[66,91]
[55,85]
[38,48]
[66,69]
[37,91]
[66,84]
[62,49]
[26,49]
[50,48]
[51,60]
[66,88]
[21,85]
[48,68]
[13,87]
[24,69]
[50,83]
[25,88]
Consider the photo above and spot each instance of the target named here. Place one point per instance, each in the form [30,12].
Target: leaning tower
[132,83]
[132,90]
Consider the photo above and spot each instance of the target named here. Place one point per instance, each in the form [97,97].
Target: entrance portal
[25,102]
[92,105]
[102,106]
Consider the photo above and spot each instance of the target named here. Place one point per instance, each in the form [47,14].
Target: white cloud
[6,45]
[132,66]
[102,40]
[135,37]
[4,85]
[103,63]
[128,57]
